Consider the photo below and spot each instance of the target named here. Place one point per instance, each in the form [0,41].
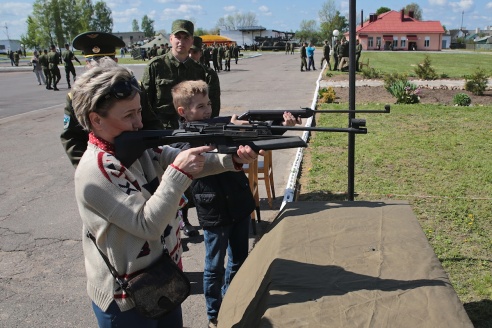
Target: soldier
[161,51]
[215,57]
[221,55]
[227,57]
[335,55]
[326,55]
[164,72]
[235,52]
[99,49]
[343,54]
[358,50]
[53,61]
[43,61]
[68,56]
[303,57]
[206,55]
[287,48]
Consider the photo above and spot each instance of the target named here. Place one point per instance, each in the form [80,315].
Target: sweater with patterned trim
[127,210]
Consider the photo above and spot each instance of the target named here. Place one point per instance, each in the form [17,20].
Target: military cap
[181,25]
[197,43]
[97,44]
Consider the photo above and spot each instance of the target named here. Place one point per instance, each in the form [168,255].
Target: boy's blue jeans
[232,238]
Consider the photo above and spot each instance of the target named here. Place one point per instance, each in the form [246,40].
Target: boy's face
[200,109]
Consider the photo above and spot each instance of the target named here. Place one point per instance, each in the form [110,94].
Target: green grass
[437,157]
[454,64]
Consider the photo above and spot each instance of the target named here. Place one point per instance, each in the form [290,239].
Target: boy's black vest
[222,199]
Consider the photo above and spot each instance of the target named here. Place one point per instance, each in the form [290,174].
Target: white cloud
[126,15]
[230,8]
[16,9]
[463,5]
[183,10]
[489,5]
[265,11]
[176,1]
[438,2]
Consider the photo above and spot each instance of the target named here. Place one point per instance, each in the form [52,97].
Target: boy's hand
[235,121]
[246,155]
[290,120]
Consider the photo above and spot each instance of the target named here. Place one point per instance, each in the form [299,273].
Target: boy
[223,202]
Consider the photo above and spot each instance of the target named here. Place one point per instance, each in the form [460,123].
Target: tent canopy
[211,39]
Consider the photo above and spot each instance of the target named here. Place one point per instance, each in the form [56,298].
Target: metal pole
[351,136]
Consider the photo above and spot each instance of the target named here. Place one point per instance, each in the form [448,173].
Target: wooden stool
[265,173]
[252,171]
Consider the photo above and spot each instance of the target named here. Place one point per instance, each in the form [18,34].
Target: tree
[58,21]
[101,19]
[417,11]
[326,15]
[308,31]
[135,27]
[232,22]
[148,26]
[382,10]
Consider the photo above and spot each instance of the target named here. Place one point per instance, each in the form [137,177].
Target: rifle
[277,115]
[130,145]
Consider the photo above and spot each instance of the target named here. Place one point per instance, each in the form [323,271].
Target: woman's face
[124,115]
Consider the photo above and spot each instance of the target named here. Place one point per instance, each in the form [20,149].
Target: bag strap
[111,268]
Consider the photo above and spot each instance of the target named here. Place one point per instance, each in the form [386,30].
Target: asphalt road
[42,276]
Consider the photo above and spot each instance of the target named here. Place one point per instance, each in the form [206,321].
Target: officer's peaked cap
[97,43]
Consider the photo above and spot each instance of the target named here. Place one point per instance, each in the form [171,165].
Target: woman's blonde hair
[90,91]
[184,91]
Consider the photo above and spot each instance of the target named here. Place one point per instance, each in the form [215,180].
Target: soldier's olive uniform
[43,61]
[74,138]
[326,55]
[54,61]
[161,75]
[67,57]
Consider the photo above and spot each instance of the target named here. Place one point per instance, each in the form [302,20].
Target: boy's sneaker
[212,323]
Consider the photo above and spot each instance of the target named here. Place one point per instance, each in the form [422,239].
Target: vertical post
[351,136]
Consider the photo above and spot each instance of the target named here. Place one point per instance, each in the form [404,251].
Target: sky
[284,15]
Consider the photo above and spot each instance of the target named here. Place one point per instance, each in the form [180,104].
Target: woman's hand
[191,161]
[246,155]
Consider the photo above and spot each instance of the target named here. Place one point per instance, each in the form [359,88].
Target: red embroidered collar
[101,143]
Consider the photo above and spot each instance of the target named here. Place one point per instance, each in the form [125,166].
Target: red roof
[392,22]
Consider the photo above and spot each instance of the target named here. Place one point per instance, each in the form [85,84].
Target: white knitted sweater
[127,210]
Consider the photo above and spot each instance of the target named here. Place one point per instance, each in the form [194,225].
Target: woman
[127,209]
[36,67]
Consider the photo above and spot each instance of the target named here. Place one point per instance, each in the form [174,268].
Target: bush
[405,92]
[461,99]
[370,73]
[477,82]
[327,95]
[425,71]
[392,78]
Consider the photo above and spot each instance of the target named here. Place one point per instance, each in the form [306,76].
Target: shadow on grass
[323,196]
[480,313]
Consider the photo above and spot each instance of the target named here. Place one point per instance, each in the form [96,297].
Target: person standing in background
[310,54]
[67,57]
[303,57]
[326,55]
[358,50]
[43,61]
[54,61]
[36,68]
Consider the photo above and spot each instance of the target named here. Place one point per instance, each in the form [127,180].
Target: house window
[403,42]
[378,42]
[395,43]
[427,42]
[370,42]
